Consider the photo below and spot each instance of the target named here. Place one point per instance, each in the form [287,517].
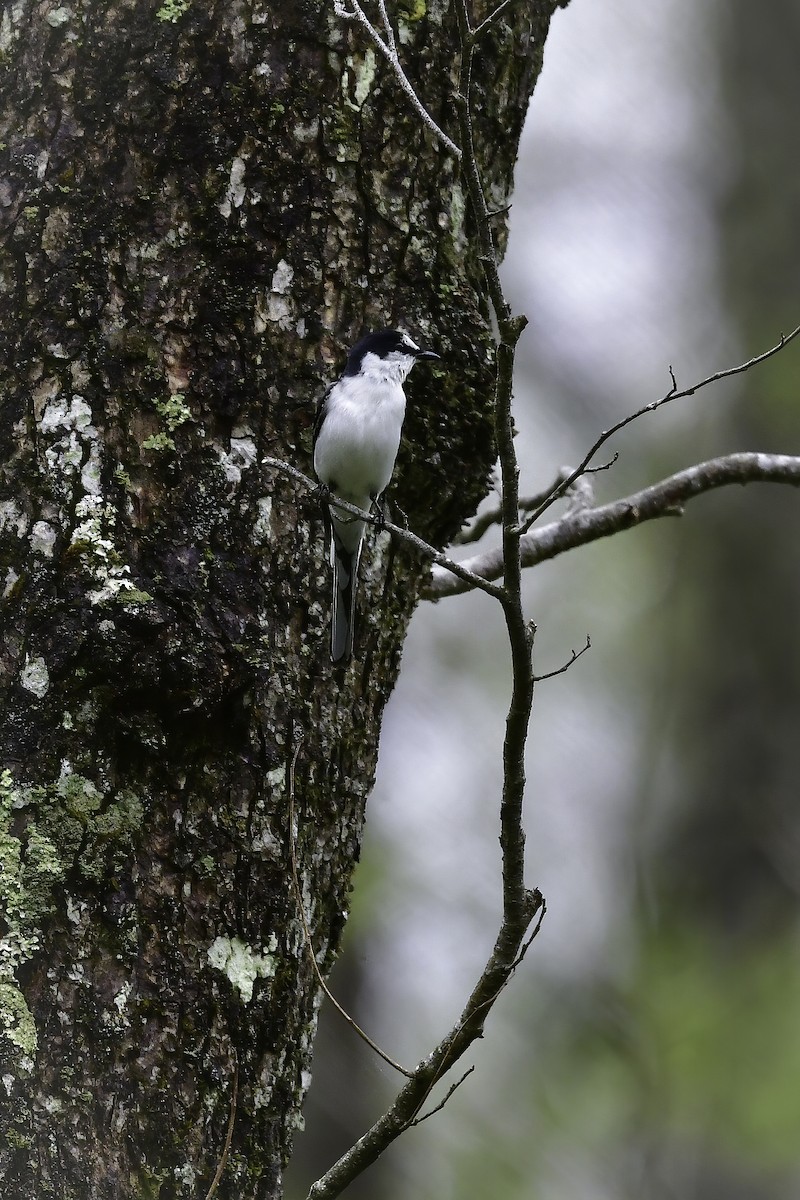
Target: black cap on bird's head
[384,343]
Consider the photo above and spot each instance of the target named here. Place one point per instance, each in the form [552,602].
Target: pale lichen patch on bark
[235,194]
[34,677]
[241,963]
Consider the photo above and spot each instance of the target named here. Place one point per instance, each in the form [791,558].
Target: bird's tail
[346,541]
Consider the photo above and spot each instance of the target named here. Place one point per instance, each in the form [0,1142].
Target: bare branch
[388,49]
[663,499]
[574,656]
[307,932]
[520,905]
[404,535]
[407,1104]
[672,394]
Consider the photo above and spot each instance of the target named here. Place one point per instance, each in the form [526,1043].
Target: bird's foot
[378,511]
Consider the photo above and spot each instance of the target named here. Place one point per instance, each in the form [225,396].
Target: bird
[356,439]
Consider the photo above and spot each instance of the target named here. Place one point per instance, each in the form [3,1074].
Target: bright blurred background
[650,1044]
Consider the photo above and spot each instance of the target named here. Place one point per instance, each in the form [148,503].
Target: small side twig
[441,1104]
[307,932]
[223,1162]
[492,17]
[494,515]
[574,656]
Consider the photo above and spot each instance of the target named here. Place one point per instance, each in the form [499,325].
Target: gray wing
[319,416]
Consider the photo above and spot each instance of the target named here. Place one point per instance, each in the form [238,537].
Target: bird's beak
[428,354]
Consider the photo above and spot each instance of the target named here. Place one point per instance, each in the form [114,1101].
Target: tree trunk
[202,206]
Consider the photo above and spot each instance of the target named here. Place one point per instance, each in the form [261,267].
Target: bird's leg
[323,493]
[378,510]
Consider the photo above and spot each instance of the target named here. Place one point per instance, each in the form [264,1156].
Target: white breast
[360,436]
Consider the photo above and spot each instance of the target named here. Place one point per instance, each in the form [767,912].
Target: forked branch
[674,393]
[351,10]
[663,499]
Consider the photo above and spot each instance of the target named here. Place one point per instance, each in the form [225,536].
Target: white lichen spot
[276,778]
[121,998]
[42,539]
[95,520]
[42,160]
[7,21]
[279,302]
[267,844]
[245,449]
[34,677]
[282,278]
[307,133]
[90,472]
[68,426]
[263,522]
[241,964]
[458,209]
[12,518]
[186,1175]
[234,196]
[8,1083]
[365,74]
[260,318]
[58,17]
[242,454]
[75,415]
[76,973]
[262,1097]
[11,579]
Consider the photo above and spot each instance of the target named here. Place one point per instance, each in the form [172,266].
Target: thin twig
[542,911]
[441,1104]
[388,49]
[397,531]
[575,655]
[663,499]
[479,29]
[672,394]
[306,930]
[494,516]
[229,1134]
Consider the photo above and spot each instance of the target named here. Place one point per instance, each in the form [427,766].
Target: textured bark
[201,206]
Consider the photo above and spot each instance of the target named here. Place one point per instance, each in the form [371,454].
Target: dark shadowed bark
[202,205]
